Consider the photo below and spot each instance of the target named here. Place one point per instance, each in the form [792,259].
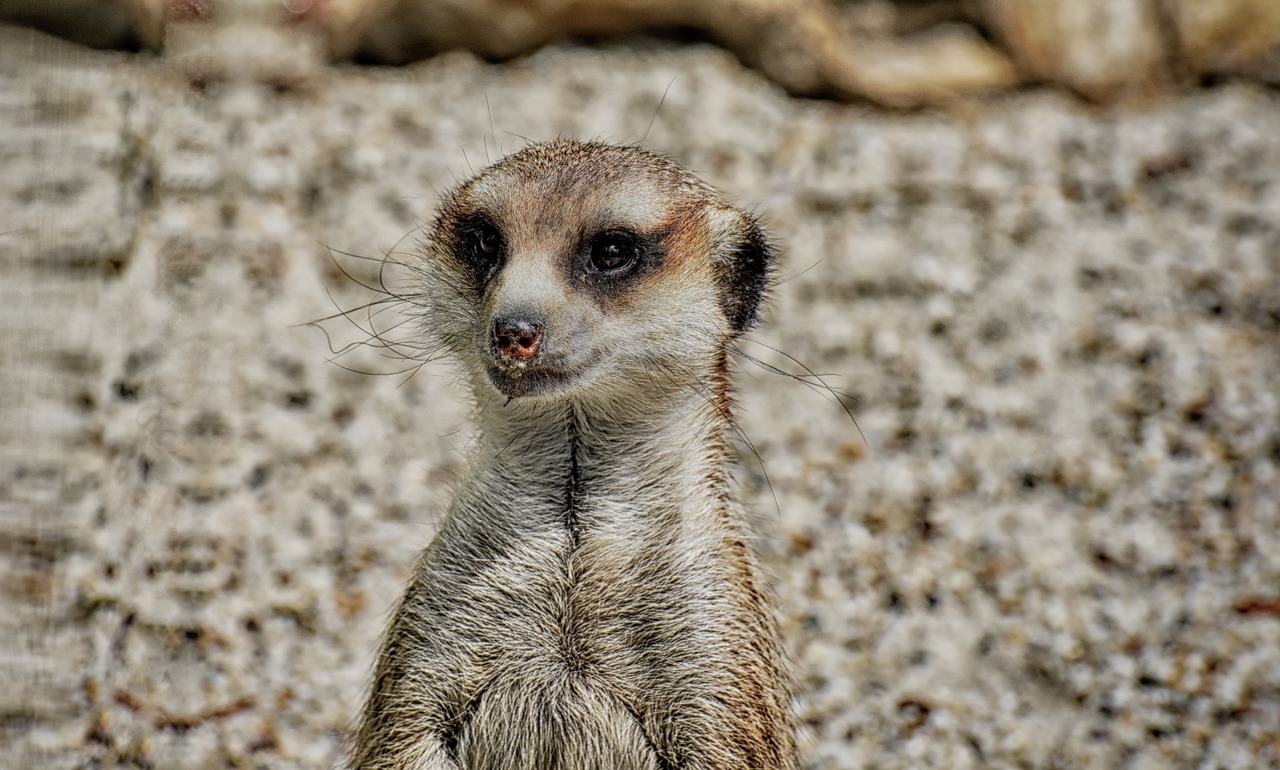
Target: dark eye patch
[611,258]
[480,246]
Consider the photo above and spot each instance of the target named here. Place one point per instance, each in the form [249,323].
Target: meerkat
[590,600]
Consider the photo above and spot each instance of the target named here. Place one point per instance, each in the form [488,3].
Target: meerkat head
[569,266]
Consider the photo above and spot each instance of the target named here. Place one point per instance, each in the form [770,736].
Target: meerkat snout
[517,339]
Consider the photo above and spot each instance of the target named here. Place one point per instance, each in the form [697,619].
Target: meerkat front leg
[406,724]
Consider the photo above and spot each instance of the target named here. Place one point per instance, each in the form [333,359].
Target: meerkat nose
[517,339]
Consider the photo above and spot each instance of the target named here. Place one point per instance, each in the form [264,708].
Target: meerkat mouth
[531,379]
[544,375]
[525,360]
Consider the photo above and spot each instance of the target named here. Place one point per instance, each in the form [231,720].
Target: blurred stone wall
[1051,540]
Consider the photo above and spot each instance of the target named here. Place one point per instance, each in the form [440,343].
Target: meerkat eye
[480,246]
[486,241]
[613,250]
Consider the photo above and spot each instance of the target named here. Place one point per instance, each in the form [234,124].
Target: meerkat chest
[578,599]
[550,722]
[569,661]
[577,588]
[576,621]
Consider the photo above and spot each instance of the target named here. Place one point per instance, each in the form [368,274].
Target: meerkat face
[569,266]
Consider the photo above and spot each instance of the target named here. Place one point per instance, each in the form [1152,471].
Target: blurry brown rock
[1228,37]
[797,43]
[800,44]
[942,64]
[900,53]
[1103,49]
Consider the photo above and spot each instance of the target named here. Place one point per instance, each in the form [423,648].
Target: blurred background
[1033,248]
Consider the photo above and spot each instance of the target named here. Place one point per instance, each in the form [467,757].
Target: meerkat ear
[744,264]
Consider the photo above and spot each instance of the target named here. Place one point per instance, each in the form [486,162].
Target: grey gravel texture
[1052,539]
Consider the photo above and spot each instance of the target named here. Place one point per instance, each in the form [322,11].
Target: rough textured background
[1058,545]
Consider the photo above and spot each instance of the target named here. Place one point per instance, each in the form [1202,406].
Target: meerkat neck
[578,460]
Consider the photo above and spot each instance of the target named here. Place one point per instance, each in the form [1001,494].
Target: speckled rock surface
[1058,544]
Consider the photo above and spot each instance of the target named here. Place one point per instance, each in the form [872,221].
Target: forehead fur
[592,184]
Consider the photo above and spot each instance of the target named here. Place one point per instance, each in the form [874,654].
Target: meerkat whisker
[808,378]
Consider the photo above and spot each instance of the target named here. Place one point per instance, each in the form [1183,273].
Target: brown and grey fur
[590,601]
